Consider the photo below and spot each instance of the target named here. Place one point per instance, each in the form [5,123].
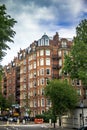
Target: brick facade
[26,76]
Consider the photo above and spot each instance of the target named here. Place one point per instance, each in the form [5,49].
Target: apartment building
[27,75]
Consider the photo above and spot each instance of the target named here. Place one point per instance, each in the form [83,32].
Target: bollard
[58,121]
[23,121]
[7,122]
[18,121]
[50,121]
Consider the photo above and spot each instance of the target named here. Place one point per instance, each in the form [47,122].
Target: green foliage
[63,96]
[6,30]
[46,116]
[76,62]
[3,102]
[40,116]
[10,100]
[6,33]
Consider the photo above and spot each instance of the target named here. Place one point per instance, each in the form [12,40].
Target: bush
[45,117]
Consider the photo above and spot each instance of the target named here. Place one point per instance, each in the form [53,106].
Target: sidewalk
[57,127]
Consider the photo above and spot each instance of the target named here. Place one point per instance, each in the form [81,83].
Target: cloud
[36,17]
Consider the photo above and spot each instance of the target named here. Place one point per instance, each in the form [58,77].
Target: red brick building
[26,76]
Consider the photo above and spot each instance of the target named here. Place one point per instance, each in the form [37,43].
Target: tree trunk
[54,121]
[84,93]
[59,120]
[54,125]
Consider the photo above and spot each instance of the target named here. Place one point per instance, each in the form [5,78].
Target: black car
[26,118]
[15,119]
[83,128]
[1,118]
[5,118]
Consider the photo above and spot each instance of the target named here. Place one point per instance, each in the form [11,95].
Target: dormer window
[64,44]
[39,41]
[44,41]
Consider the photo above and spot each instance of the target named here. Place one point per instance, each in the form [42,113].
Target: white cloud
[36,18]
[44,13]
[67,33]
[76,7]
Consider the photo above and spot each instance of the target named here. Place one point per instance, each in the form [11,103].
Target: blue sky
[36,17]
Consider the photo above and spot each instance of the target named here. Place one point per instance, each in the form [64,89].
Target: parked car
[26,118]
[10,119]
[5,118]
[1,118]
[15,119]
[83,128]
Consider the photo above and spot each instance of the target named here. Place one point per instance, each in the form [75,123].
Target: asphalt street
[28,126]
[32,127]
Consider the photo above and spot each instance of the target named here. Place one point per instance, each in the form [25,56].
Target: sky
[36,17]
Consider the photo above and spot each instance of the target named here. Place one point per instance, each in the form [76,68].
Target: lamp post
[82,106]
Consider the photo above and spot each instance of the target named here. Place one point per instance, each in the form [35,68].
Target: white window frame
[34,65]
[42,81]
[60,62]
[47,61]
[42,102]
[42,71]
[42,91]
[46,42]
[48,102]
[47,52]
[42,61]
[42,42]
[41,52]
[64,44]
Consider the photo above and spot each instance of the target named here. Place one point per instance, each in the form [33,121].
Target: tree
[11,100]
[6,30]
[6,33]
[76,62]
[62,95]
[3,102]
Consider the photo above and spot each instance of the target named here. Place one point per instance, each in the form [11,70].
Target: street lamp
[82,106]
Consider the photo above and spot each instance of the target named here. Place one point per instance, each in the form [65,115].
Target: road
[30,127]
[20,128]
